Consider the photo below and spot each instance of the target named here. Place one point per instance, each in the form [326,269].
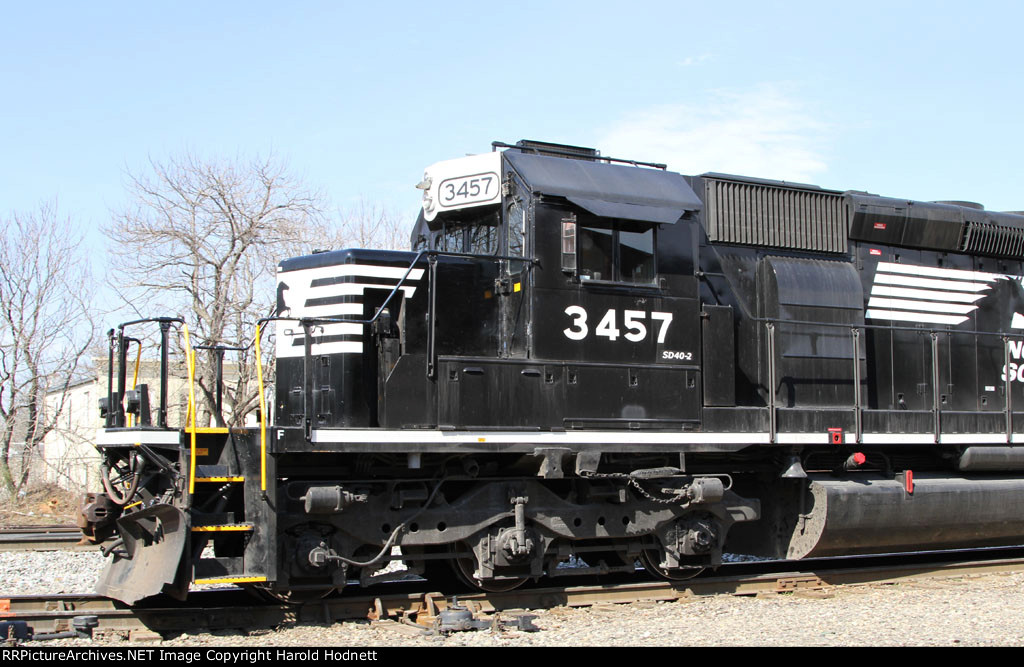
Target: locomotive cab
[562,278]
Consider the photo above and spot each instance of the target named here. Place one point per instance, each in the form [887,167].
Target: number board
[465,190]
[474,180]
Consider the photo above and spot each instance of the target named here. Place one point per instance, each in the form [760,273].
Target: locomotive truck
[591,358]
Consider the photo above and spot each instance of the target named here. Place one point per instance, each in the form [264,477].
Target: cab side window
[636,256]
[596,253]
[612,251]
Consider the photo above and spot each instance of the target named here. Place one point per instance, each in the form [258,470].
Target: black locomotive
[602,359]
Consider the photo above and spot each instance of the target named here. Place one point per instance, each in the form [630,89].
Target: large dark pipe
[976,459]
[872,514]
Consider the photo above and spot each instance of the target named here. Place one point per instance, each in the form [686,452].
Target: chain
[636,485]
[663,501]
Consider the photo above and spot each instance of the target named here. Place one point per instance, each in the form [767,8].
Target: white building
[68,457]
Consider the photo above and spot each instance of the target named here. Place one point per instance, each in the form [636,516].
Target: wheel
[121,477]
[465,566]
[651,560]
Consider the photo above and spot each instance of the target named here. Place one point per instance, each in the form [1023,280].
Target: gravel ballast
[983,610]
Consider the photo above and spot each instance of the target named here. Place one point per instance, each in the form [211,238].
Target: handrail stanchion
[263,413]
[772,416]
[135,377]
[1007,389]
[109,419]
[432,317]
[165,328]
[936,399]
[858,408]
[190,362]
[119,415]
[307,380]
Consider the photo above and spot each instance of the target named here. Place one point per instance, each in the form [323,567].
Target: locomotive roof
[608,190]
[733,209]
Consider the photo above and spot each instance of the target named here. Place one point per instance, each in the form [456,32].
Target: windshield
[473,231]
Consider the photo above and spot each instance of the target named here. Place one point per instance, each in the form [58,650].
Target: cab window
[516,229]
[613,251]
[472,232]
[483,239]
[636,256]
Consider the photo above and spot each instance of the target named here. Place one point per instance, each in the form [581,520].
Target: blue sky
[907,99]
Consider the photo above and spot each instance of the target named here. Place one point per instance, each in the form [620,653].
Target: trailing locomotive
[590,357]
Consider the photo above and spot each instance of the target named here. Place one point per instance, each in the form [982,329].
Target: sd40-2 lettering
[634,323]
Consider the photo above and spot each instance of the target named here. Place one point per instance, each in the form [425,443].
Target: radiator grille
[983,238]
[778,217]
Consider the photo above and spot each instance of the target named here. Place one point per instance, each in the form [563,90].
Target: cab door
[622,319]
[513,285]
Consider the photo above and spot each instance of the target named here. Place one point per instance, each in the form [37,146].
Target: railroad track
[411,601]
[42,538]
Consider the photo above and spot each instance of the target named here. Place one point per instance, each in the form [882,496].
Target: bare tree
[367,225]
[46,326]
[202,239]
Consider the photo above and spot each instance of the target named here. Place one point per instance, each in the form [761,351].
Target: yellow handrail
[190,359]
[263,414]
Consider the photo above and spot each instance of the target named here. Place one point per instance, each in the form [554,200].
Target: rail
[568,153]
[43,538]
[115,413]
[221,609]
[770,325]
[116,416]
[115,410]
